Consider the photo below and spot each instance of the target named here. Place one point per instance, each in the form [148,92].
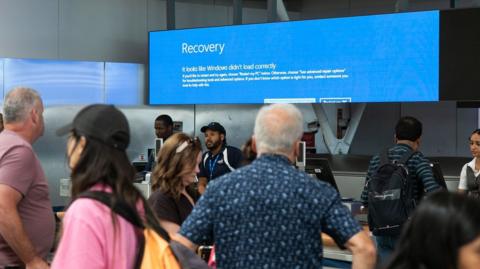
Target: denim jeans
[385,247]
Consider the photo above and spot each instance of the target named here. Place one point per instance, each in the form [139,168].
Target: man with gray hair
[269,214]
[27,224]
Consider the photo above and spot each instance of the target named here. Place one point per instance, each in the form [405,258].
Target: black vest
[473,183]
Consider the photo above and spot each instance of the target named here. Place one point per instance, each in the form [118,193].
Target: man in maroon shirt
[27,224]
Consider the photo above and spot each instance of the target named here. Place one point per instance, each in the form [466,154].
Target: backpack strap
[125,211]
[406,156]
[384,157]
[403,160]
[121,208]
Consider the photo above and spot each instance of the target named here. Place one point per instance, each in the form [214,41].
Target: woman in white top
[470,174]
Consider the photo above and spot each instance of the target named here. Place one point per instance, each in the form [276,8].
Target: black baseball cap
[214,126]
[104,123]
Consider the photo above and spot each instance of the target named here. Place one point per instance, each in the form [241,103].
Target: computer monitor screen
[301,154]
[321,169]
[158,146]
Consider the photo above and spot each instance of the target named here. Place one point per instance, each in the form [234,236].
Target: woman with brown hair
[175,172]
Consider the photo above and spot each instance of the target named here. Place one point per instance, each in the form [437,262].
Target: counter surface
[358,164]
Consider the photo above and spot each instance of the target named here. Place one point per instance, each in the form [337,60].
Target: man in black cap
[220,158]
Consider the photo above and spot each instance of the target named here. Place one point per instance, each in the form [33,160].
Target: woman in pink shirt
[93,236]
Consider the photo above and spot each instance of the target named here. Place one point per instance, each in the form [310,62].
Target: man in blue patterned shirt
[407,135]
[269,214]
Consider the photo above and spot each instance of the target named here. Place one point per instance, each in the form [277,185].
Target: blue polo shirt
[213,166]
[269,215]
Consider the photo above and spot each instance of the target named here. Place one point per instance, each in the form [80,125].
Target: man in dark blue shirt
[407,134]
[220,158]
[269,214]
[163,126]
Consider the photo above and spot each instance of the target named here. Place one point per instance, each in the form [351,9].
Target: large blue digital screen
[58,82]
[379,58]
[124,83]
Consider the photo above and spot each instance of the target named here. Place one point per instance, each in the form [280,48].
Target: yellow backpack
[156,251]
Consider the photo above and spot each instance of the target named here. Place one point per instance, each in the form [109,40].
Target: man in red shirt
[27,225]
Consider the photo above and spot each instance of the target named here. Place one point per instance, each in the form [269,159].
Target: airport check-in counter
[349,172]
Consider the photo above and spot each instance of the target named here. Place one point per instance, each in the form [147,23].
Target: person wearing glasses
[470,174]
[173,196]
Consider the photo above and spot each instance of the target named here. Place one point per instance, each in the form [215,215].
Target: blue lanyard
[211,165]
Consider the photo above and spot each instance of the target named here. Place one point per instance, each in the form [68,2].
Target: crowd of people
[255,207]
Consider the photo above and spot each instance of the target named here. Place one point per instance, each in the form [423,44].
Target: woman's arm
[171,227]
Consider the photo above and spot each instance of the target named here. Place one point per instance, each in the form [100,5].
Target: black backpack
[390,196]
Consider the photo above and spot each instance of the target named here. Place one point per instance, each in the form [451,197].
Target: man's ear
[254,144]
[418,142]
[296,150]
[222,137]
[34,116]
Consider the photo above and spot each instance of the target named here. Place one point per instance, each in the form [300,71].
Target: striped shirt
[419,170]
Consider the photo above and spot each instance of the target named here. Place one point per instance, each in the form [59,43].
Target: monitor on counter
[158,146]
[302,152]
[438,174]
[139,166]
[321,169]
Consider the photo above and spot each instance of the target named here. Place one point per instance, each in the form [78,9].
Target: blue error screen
[379,58]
